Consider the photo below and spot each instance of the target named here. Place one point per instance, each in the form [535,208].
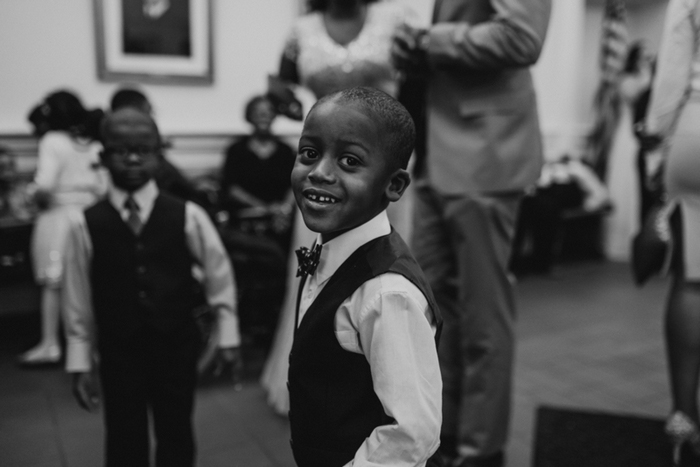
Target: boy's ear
[398,183]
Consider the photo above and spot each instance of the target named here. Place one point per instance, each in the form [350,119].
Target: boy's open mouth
[319,198]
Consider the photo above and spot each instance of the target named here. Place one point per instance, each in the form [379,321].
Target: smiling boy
[129,295]
[364,380]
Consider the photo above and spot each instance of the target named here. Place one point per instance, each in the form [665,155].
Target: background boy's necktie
[133,221]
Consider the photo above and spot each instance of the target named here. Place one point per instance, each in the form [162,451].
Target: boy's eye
[350,161]
[308,153]
[122,152]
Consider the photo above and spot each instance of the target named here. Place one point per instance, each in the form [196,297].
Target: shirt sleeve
[218,280]
[399,343]
[78,319]
[48,164]
[673,68]
[512,37]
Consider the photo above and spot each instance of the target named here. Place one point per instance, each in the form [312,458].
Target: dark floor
[587,339]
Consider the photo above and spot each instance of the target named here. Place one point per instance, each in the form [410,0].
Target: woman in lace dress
[338,44]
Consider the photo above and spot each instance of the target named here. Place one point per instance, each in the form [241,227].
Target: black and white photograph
[350,233]
[167,41]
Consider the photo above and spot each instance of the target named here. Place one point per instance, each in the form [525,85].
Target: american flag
[607,99]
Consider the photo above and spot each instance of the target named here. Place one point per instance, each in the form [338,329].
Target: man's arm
[673,71]
[398,341]
[512,37]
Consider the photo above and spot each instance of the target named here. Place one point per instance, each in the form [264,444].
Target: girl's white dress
[67,168]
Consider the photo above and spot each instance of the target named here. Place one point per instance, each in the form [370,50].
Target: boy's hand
[85,391]
[229,361]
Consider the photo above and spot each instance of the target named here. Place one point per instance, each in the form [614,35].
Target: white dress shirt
[387,319]
[212,268]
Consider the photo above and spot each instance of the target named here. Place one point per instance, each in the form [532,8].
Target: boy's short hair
[127,97]
[394,119]
[322,5]
[110,117]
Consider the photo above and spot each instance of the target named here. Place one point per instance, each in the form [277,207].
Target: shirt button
[141,269]
[142,294]
[139,246]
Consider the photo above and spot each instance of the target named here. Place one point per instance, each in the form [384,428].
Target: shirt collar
[145,197]
[336,251]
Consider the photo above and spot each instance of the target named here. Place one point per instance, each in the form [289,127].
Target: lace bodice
[324,66]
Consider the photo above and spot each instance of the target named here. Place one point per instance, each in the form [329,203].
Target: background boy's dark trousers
[333,406]
[143,296]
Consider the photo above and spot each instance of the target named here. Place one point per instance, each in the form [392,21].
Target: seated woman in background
[256,193]
[67,179]
[255,179]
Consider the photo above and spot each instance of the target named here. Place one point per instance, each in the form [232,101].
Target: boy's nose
[133,156]
[322,171]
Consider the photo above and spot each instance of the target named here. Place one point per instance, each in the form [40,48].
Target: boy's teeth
[322,199]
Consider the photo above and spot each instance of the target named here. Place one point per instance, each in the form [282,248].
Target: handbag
[652,246]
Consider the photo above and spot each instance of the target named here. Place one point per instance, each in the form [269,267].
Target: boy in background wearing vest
[129,297]
[364,379]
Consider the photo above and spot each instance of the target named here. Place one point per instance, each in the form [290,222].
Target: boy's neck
[329,236]
[131,190]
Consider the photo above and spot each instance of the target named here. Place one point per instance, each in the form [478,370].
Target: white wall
[50,44]
[567,73]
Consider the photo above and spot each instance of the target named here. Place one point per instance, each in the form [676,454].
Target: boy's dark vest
[333,406]
[141,284]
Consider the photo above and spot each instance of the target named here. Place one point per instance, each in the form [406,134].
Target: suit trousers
[149,377]
[463,243]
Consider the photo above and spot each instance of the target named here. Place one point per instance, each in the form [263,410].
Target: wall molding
[194,153]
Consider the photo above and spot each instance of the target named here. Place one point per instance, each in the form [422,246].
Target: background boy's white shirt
[399,346]
[204,244]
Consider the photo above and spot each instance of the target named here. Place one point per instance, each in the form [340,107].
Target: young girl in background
[67,179]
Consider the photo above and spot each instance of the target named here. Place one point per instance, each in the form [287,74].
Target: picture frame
[154,41]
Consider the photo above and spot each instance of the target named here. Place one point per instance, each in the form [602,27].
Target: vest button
[139,246]
[142,294]
[141,269]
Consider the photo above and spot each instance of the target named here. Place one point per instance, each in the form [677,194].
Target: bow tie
[308,260]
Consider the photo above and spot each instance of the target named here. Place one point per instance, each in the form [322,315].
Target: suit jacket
[483,126]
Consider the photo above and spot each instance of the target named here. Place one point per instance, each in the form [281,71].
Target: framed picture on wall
[156,41]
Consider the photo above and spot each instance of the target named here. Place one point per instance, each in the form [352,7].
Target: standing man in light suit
[483,149]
